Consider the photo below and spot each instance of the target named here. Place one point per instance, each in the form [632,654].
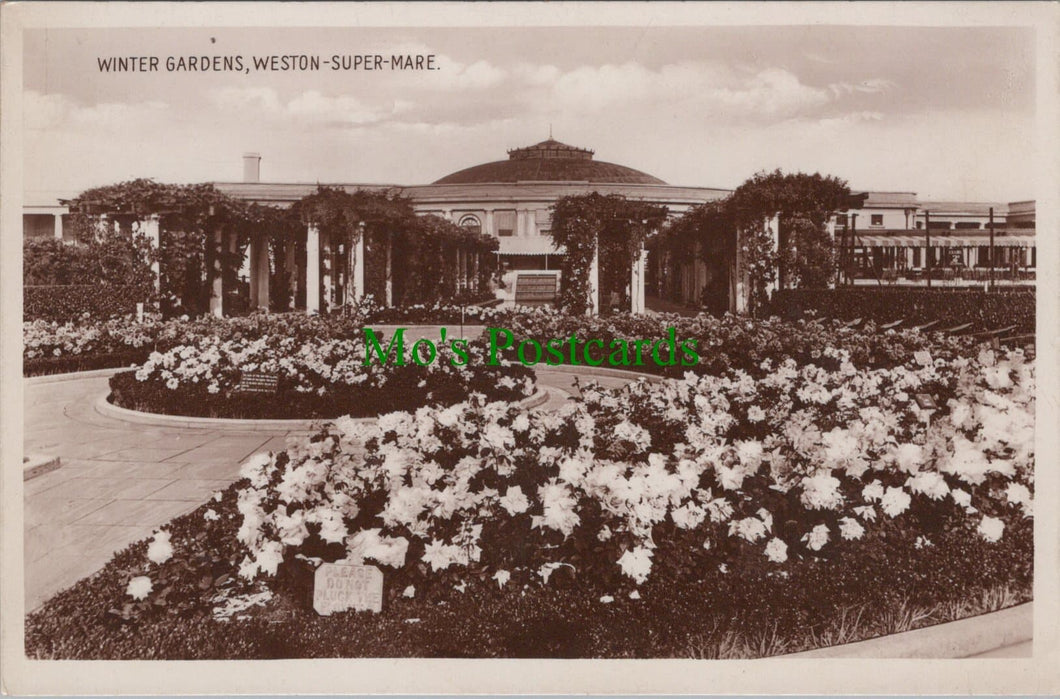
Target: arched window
[471,222]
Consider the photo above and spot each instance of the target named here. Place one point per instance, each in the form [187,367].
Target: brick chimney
[251,167]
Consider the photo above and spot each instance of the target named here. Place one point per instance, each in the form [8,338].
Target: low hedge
[696,610]
[985,310]
[69,302]
[62,365]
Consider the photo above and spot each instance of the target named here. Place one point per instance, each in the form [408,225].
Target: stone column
[357,279]
[58,223]
[312,269]
[389,269]
[326,290]
[259,272]
[773,228]
[149,229]
[217,275]
[636,284]
[738,302]
[488,224]
[290,264]
[594,282]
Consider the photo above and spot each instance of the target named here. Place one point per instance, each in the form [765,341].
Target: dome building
[509,199]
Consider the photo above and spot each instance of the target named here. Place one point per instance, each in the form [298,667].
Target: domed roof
[549,161]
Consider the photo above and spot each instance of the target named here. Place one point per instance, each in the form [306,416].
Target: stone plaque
[258,382]
[339,586]
[926,401]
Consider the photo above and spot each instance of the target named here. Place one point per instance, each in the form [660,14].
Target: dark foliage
[951,307]
[69,302]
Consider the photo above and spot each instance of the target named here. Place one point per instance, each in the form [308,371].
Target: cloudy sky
[945,112]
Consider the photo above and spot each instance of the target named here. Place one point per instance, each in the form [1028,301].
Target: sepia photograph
[595,335]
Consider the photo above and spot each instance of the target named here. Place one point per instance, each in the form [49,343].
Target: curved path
[119,481]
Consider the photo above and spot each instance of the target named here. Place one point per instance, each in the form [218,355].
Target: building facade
[894,238]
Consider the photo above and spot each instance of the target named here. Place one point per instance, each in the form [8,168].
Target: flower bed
[51,347]
[987,311]
[657,520]
[316,378]
[733,342]
[723,343]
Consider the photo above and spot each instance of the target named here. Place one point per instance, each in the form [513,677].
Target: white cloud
[45,112]
[709,89]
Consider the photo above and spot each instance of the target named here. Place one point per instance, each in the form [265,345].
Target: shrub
[70,302]
[984,310]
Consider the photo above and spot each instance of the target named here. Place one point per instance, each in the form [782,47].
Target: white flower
[991,528]
[514,501]
[756,414]
[821,492]
[909,457]
[636,563]
[160,549]
[502,577]
[776,550]
[688,516]
[817,538]
[270,557]
[558,506]
[607,599]
[634,594]
[211,516]
[873,492]
[749,528]
[866,512]
[386,550]
[546,570]
[895,501]
[929,483]
[1017,494]
[961,497]
[139,587]
[850,528]
[409,591]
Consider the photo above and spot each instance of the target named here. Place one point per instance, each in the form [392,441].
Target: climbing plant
[706,232]
[618,226]
[802,204]
[189,217]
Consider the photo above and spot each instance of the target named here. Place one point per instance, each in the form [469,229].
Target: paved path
[120,481]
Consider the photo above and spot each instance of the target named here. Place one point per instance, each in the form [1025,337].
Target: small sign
[922,357]
[926,401]
[339,586]
[258,382]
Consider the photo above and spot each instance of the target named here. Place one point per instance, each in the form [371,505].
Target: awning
[948,241]
[535,245]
